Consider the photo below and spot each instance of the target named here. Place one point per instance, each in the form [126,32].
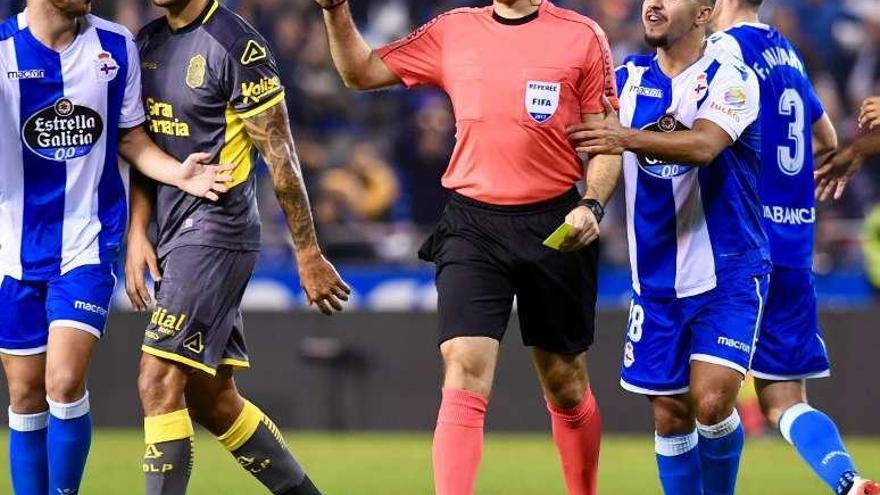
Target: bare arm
[356,62]
[698,146]
[824,140]
[193,176]
[270,132]
[602,174]
[140,255]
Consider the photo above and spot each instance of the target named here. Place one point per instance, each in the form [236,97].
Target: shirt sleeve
[251,81]
[599,78]
[734,100]
[132,113]
[416,59]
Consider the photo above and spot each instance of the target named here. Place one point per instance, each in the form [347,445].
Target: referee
[518,72]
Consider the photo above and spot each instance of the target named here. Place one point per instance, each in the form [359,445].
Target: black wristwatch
[594,206]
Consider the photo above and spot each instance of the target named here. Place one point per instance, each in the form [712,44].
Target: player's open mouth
[654,19]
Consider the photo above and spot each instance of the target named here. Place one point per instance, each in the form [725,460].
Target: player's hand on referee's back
[321,282]
[600,137]
[585,231]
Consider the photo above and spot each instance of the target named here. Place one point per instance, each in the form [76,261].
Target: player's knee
[27,398]
[714,407]
[217,416]
[160,386]
[467,368]
[565,385]
[672,416]
[64,385]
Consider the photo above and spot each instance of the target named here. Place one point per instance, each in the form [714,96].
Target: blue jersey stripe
[654,201]
[9,28]
[710,76]
[44,180]
[112,201]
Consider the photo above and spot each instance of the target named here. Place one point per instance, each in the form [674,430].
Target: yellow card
[556,238]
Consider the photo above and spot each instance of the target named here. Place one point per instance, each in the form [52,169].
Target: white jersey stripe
[695,261]
[12,177]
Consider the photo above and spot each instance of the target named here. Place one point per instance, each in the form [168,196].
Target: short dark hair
[754,3]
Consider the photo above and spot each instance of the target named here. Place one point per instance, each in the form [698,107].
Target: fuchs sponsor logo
[658,167]
[63,131]
[26,74]
[735,344]
[91,308]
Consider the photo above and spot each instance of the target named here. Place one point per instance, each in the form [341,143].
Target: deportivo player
[210,82]
[699,256]
[791,349]
[69,105]
[518,72]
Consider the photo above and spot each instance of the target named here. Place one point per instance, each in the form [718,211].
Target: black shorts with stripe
[487,255]
[198,319]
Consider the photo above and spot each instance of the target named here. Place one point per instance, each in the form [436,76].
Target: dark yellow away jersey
[199,82]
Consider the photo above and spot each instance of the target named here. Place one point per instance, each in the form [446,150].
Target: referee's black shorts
[487,254]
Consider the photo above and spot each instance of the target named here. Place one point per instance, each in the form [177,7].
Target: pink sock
[577,433]
[458,441]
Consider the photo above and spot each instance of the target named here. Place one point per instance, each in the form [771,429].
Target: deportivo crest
[542,99]
[105,67]
[657,167]
[195,71]
[702,87]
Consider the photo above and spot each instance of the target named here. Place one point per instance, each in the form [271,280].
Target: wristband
[594,206]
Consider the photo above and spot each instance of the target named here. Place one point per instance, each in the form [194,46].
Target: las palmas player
[71,103]
[518,73]
[699,256]
[791,349]
[210,82]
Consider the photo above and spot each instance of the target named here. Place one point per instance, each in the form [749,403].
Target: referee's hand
[322,283]
[585,231]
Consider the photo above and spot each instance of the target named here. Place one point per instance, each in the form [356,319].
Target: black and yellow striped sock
[169,457]
[259,448]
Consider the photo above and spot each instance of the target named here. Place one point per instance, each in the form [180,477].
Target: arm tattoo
[270,132]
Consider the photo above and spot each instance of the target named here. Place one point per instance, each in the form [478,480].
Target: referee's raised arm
[356,62]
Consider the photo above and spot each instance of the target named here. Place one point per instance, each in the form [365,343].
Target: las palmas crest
[195,72]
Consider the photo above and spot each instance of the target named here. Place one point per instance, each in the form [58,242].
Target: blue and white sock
[817,440]
[68,440]
[678,462]
[721,447]
[28,459]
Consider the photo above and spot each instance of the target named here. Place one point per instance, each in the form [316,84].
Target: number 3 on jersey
[791,105]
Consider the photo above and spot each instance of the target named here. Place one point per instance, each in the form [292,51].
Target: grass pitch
[399,464]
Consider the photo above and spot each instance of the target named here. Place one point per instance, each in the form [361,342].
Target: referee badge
[542,99]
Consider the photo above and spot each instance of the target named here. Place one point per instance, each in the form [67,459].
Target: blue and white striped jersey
[688,226]
[63,191]
[790,107]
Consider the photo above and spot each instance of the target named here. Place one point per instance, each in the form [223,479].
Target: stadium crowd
[374,162]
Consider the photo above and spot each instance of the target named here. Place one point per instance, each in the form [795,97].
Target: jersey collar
[759,25]
[199,21]
[519,21]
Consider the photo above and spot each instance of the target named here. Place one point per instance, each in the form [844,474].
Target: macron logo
[91,308]
[735,344]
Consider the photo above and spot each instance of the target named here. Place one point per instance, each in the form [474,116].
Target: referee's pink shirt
[514,89]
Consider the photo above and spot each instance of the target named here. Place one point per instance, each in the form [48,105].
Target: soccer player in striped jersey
[795,133]
[71,103]
[700,259]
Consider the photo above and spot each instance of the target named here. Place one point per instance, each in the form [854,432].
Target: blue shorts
[790,346]
[665,334]
[78,299]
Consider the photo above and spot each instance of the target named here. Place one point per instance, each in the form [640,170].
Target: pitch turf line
[399,464]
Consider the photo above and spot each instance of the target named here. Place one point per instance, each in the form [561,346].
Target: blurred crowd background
[373,161]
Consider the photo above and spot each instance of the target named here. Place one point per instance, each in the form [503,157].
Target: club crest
[195,71]
[105,67]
